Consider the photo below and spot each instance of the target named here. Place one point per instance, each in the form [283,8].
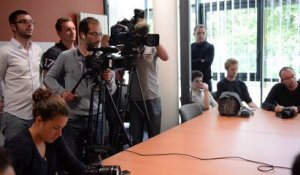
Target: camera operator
[147,66]
[284,94]
[71,65]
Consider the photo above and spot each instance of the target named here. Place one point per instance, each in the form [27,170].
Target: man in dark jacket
[284,94]
[202,54]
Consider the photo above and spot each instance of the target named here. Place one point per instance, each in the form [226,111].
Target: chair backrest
[214,95]
[189,111]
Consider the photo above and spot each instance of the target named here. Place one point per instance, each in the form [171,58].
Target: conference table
[263,137]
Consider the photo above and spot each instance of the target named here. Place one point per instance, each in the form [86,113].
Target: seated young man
[200,91]
[232,84]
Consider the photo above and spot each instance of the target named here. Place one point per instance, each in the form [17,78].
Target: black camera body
[286,113]
[100,60]
[98,63]
[122,35]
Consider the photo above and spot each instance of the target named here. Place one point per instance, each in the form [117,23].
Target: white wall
[165,23]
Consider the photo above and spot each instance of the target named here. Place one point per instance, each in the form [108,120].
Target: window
[235,27]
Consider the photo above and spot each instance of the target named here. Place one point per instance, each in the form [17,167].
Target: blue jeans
[12,125]
[77,132]
[137,120]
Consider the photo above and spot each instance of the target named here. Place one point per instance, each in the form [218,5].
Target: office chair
[214,95]
[189,111]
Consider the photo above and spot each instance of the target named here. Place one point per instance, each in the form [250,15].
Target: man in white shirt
[19,71]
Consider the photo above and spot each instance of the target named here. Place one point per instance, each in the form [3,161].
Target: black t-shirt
[51,55]
[237,86]
[28,161]
[280,95]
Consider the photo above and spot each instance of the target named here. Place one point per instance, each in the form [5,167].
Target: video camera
[124,36]
[103,170]
[100,60]
[125,40]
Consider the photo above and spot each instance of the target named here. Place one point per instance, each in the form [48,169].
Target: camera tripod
[93,142]
[134,72]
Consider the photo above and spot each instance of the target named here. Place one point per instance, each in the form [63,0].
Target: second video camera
[123,34]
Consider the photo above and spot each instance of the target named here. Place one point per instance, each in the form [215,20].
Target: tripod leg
[95,120]
[118,117]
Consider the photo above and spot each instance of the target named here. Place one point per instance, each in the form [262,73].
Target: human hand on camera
[105,41]
[68,96]
[106,75]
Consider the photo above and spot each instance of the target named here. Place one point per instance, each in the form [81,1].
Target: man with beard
[284,94]
[19,71]
[71,65]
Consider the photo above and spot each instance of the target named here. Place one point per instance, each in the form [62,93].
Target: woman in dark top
[41,150]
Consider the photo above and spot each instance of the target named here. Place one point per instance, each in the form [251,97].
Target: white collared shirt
[20,72]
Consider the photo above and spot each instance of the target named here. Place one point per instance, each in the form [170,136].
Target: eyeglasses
[96,34]
[25,21]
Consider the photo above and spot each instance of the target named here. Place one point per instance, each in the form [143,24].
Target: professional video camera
[103,170]
[100,60]
[124,37]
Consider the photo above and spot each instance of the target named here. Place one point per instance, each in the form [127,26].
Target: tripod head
[101,59]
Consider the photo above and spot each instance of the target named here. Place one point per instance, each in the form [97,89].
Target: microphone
[103,49]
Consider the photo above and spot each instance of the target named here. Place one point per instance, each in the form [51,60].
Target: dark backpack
[230,104]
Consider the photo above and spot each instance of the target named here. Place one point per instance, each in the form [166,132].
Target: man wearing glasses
[71,65]
[284,94]
[19,71]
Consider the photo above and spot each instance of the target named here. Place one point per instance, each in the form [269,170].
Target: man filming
[146,63]
[71,65]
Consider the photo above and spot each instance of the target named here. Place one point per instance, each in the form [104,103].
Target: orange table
[263,138]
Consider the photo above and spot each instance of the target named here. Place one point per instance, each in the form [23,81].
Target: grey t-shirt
[147,68]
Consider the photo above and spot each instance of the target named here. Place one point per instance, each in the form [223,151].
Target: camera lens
[110,170]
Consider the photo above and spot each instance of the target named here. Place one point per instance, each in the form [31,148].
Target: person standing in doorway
[202,54]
